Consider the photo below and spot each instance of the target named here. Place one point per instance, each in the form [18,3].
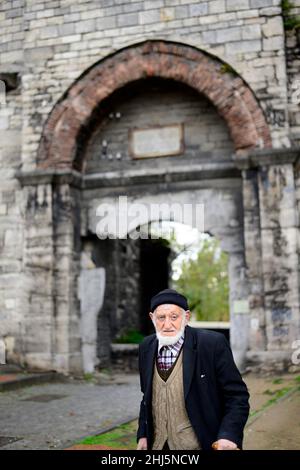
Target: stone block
[149,4]
[3,209]
[199,9]
[66,29]
[242,46]
[261,3]
[49,32]
[228,35]
[14,13]
[273,44]
[128,19]
[273,27]
[237,5]
[71,38]
[85,26]
[149,16]
[38,54]
[181,11]
[270,11]
[251,31]
[216,6]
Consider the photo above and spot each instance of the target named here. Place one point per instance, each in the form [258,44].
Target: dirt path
[277,428]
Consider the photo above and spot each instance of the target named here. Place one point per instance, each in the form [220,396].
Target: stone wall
[47,48]
[62,39]
[11,196]
[292,40]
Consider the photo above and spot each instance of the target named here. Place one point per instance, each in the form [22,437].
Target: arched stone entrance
[62,196]
[222,218]
[229,94]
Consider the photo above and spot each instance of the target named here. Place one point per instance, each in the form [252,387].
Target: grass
[92,376]
[277,381]
[276,395]
[131,337]
[123,436]
[88,377]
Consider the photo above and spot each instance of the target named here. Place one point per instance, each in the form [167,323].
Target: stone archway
[230,95]
[217,209]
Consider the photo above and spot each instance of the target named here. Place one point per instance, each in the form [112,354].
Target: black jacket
[216,397]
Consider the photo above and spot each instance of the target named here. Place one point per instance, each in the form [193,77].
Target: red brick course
[231,96]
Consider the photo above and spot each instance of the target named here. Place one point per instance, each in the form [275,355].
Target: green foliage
[270,392]
[226,68]
[131,336]
[276,395]
[88,376]
[123,436]
[204,281]
[277,381]
[286,6]
[290,21]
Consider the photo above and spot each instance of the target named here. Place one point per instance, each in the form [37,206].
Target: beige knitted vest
[170,418]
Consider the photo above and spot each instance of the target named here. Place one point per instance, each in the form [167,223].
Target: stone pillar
[66,236]
[37,291]
[232,243]
[280,261]
[51,326]
[253,255]
[272,253]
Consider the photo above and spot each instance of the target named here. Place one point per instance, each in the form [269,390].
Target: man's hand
[224,444]
[142,444]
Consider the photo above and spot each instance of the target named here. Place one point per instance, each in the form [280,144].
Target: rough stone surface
[91,293]
[74,410]
[79,74]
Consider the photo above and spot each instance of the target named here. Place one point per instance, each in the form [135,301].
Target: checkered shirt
[167,354]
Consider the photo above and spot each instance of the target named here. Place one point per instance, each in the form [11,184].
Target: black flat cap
[169,296]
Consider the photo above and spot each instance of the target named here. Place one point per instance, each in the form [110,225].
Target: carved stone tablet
[158,141]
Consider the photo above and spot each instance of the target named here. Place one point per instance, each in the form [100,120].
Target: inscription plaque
[158,141]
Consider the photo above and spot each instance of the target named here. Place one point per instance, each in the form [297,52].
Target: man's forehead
[168,308]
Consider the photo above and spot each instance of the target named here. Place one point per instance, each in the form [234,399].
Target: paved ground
[278,428]
[55,415]
[74,410]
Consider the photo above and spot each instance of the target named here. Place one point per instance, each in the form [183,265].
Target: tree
[204,281]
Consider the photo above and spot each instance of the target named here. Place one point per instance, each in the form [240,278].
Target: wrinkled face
[169,319]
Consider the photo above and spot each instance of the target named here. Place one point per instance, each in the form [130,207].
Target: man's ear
[187,315]
[151,315]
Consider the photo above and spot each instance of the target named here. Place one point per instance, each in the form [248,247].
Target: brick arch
[230,95]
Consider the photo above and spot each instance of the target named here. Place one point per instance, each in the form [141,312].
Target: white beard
[168,340]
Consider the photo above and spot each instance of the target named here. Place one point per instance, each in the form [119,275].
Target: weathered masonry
[93,92]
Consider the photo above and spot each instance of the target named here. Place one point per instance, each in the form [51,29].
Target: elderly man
[193,394]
